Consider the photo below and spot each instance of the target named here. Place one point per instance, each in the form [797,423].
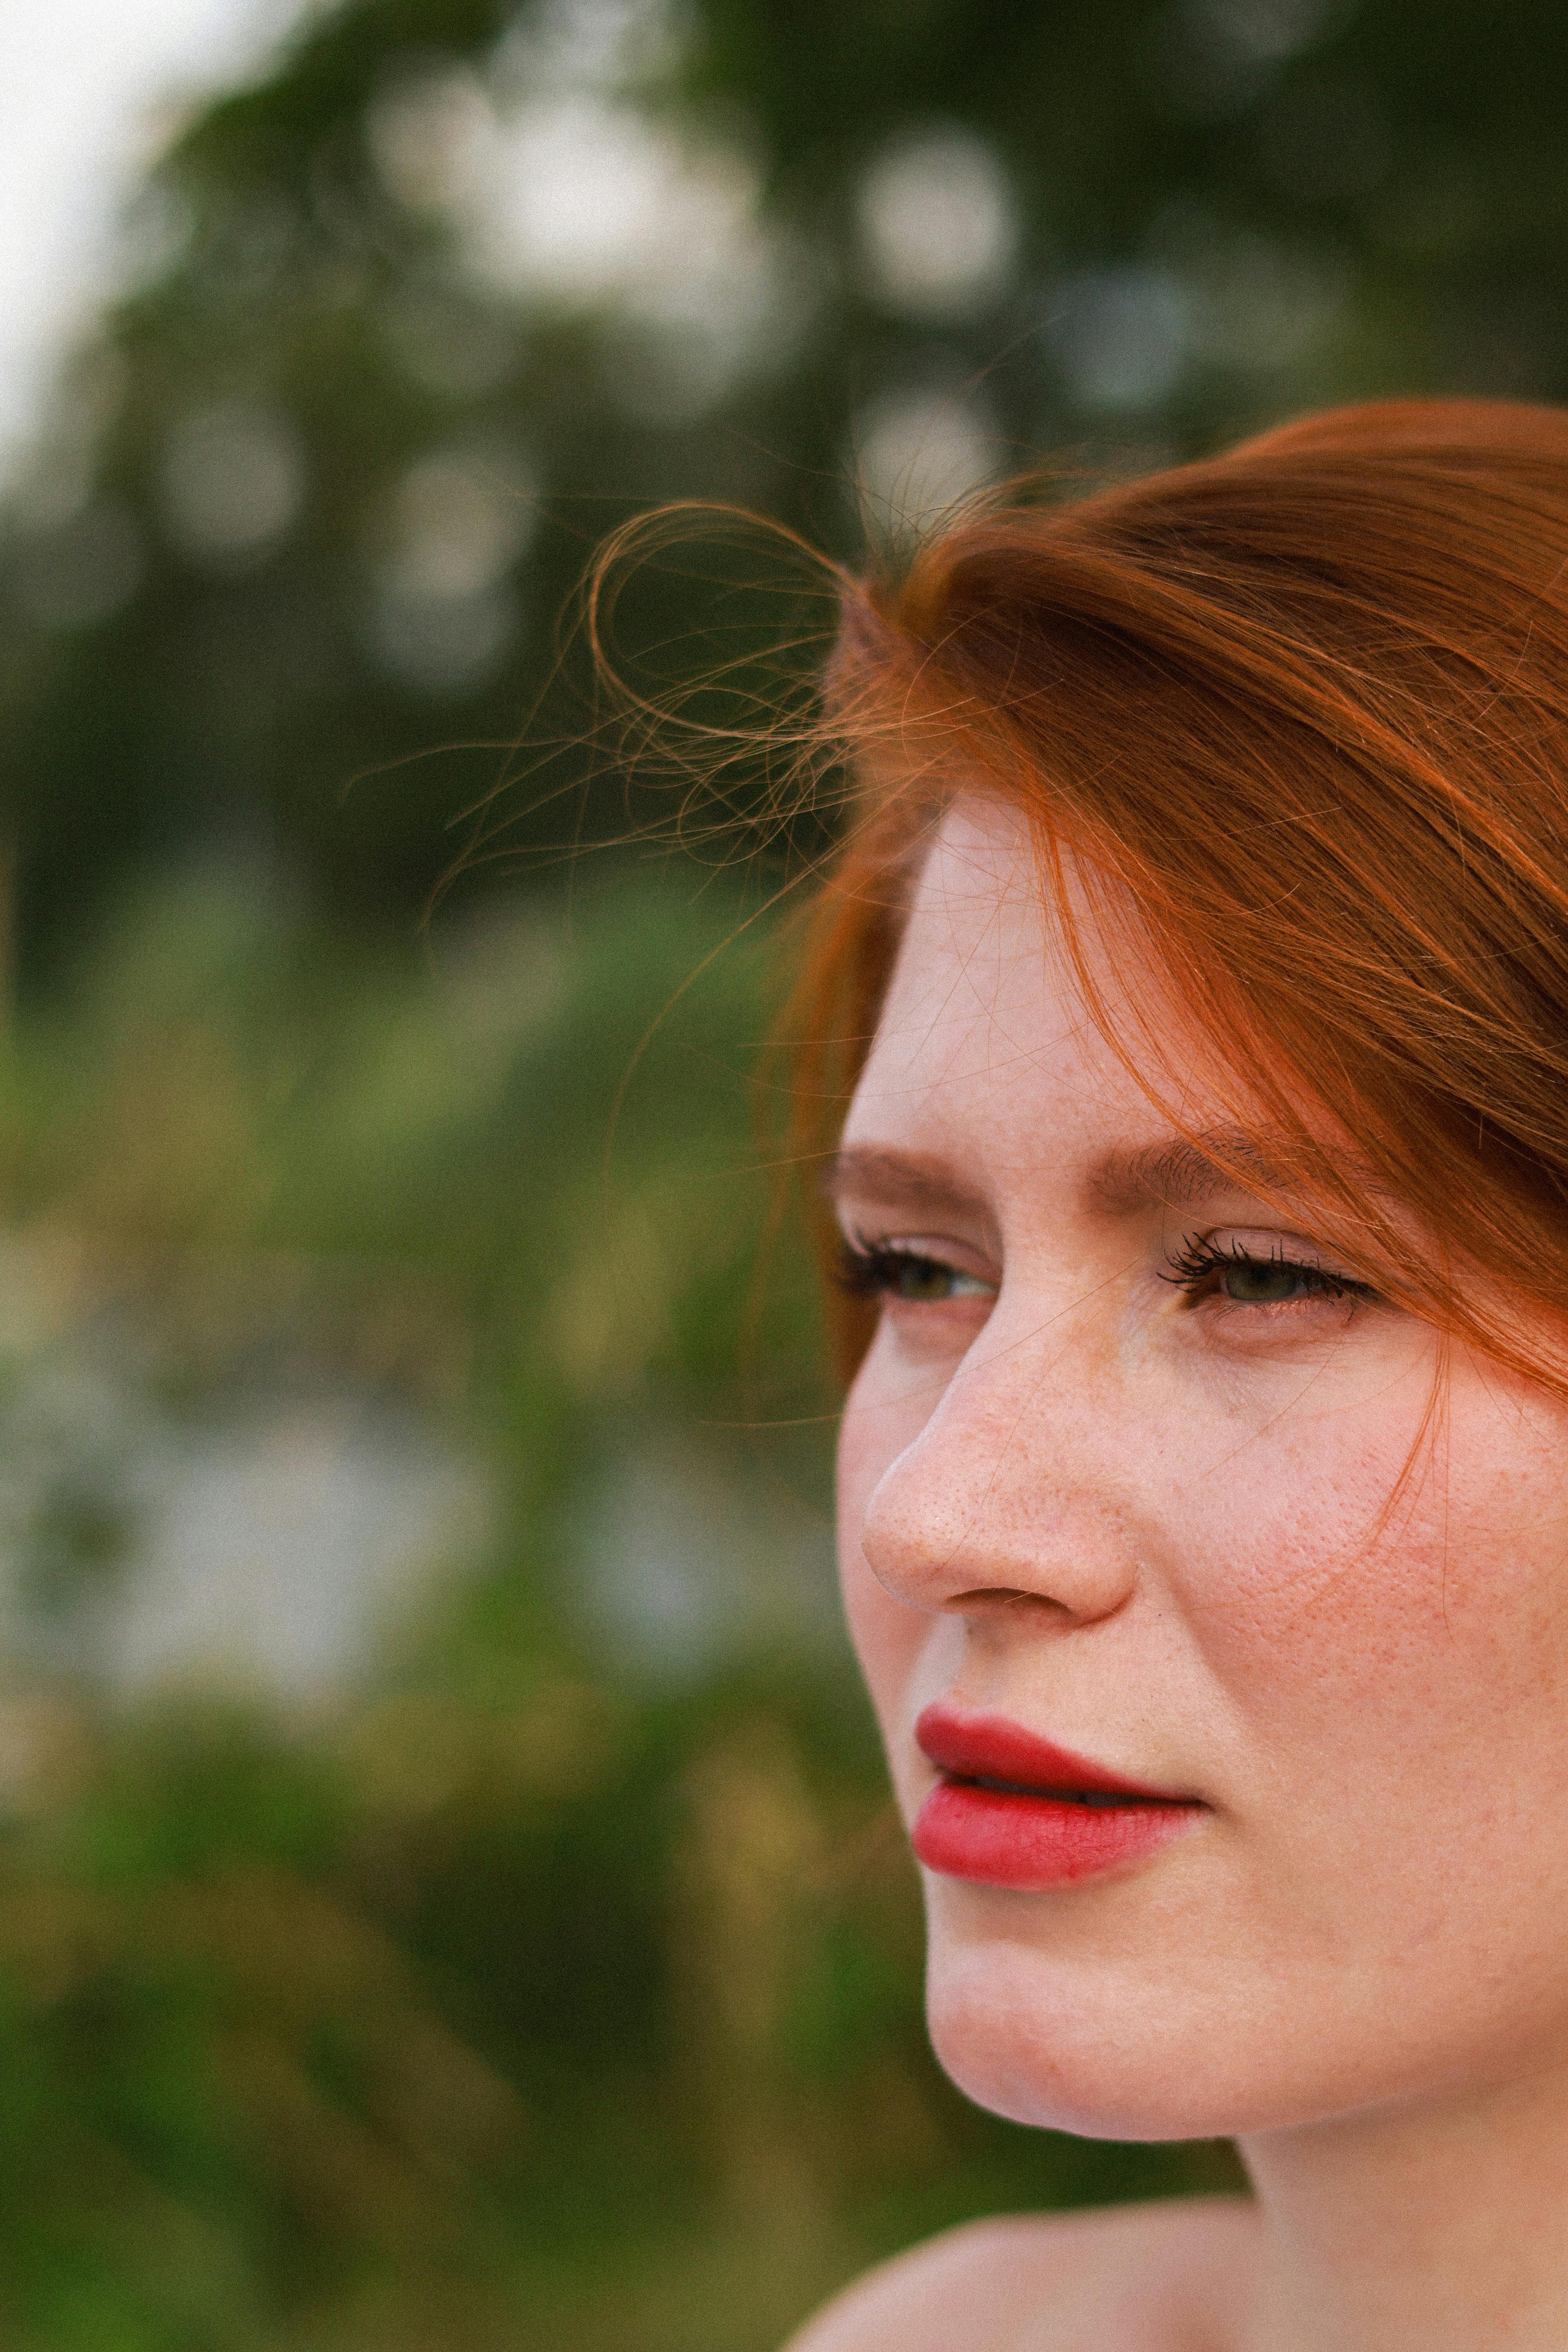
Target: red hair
[1302,712]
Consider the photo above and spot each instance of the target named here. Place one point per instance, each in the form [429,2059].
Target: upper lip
[992,1748]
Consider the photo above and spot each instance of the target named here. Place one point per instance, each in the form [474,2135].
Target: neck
[1429,2229]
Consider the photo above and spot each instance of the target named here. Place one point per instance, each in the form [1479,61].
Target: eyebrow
[1183,1172]
[1178,1173]
[1189,1170]
[906,1179]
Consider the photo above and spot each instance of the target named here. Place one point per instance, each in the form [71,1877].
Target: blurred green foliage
[509,1997]
[458,284]
[551,1976]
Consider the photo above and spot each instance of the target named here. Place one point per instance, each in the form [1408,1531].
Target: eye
[881,1270]
[1206,1269]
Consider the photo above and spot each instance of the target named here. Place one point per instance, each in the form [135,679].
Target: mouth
[1014,1809]
[1097,1800]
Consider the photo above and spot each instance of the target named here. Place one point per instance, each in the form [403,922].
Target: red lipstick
[1013,1809]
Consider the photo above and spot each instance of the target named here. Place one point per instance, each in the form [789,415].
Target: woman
[1202,1215]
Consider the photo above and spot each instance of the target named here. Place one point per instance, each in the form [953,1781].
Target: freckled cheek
[1376,1617]
[1305,1594]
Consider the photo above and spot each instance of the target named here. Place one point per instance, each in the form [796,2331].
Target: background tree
[457,285]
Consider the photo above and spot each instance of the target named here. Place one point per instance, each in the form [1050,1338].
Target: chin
[1098,2051]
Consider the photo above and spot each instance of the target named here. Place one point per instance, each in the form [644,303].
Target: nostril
[990,1599]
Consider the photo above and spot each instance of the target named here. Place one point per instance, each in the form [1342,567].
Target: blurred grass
[510,1993]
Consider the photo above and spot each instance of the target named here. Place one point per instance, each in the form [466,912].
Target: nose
[1014,1495]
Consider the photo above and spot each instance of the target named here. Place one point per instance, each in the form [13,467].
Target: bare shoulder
[1166,2277]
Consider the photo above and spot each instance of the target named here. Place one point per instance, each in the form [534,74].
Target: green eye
[1259,1283]
[907,1276]
[922,1280]
[1207,1271]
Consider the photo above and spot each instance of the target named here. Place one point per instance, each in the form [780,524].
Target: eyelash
[1200,1262]
[873,1269]
[876,1270]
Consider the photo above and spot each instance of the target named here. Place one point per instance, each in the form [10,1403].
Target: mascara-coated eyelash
[875,1270]
[1201,1265]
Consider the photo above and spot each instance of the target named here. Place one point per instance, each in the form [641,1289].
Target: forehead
[985,1038]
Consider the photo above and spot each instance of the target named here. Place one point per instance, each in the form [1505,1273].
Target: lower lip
[1008,1839]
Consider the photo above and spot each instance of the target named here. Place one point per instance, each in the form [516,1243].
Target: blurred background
[448,1896]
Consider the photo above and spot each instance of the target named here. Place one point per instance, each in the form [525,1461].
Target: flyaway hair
[1300,715]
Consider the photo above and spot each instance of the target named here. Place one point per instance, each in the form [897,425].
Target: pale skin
[1119,1466]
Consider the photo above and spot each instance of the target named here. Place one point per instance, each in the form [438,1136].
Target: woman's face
[1122,1471]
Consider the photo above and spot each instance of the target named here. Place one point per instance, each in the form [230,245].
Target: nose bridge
[1010,1487]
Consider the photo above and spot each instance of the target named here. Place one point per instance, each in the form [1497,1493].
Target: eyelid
[863,1251]
[1297,1249]
[1205,1258]
[907,1244]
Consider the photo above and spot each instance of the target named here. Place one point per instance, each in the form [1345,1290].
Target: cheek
[1397,1590]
